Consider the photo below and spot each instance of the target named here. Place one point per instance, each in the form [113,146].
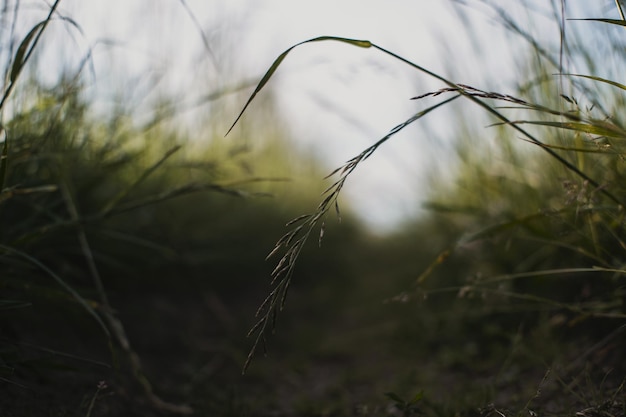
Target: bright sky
[340,98]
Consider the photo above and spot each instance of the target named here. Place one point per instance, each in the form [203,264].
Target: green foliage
[134,255]
[94,212]
[586,215]
[533,238]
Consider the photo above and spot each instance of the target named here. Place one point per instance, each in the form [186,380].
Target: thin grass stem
[619,9]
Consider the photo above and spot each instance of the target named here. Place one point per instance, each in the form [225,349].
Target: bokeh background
[466,271]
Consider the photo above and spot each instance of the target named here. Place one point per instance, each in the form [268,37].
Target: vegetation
[132,259]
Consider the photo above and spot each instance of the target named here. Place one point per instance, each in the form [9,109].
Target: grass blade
[603,80]
[597,149]
[618,22]
[20,55]
[493,111]
[593,129]
[281,57]
[25,51]
[123,193]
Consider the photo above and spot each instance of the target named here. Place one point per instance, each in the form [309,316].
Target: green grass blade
[281,57]
[493,111]
[498,228]
[593,129]
[575,149]
[167,195]
[29,42]
[25,51]
[125,192]
[618,22]
[20,55]
[603,80]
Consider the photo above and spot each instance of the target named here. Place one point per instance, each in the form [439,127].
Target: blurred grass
[507,299]
[195,225]
[533,261]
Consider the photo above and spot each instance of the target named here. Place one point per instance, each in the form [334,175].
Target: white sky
[339,98]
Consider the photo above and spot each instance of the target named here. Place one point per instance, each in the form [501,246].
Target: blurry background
[469,264]
[333,100]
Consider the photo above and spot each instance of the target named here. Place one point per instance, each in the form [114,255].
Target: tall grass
[542,229]
[61,187]
[527,239]
[82,202]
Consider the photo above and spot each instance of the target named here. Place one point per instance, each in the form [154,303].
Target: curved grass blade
[283,273]
[608,130]
[125,192]
[603,80]
[20,55]
[29,42]
[281,57]
[493,111]
[167,195]
[459,88]
[574,149]
[497,229]
[25,51]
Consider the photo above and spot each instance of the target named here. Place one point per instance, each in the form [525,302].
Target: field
[144,272]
